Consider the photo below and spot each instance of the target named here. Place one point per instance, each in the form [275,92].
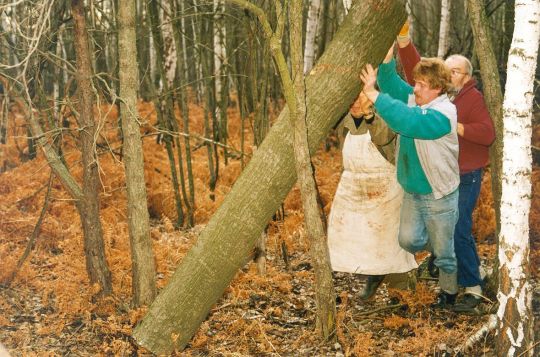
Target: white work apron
[364,219]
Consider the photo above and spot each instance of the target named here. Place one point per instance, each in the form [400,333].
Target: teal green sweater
[411,123]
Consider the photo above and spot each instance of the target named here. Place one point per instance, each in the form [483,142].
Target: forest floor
[51,309]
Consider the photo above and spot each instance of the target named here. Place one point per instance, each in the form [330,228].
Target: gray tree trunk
[494,99]
[228,239]
[182,97]
[142,256]
[94,248]
[315,225]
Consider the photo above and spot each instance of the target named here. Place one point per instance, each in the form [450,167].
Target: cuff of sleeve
[387,67]
[403,38]
[379,101]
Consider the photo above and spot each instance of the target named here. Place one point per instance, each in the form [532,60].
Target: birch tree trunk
[220,77]
[94,248]
[169,47]
[312,27]
[142,256]
[228,239]
[444,29]
[515,336]
[347,5]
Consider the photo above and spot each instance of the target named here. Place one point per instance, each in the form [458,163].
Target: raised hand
[368,76]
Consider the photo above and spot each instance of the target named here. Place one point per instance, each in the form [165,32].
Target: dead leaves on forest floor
[257,315]
[50,308]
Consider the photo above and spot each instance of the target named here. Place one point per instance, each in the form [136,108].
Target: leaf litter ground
[51,309]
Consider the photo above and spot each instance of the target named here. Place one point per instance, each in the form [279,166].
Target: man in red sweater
[475,135]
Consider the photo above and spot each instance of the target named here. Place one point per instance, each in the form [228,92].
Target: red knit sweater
[472,113]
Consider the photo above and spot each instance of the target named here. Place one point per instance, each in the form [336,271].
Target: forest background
[206,94]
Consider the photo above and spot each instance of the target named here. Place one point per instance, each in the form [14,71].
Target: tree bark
[515,335]
[220,76]
[165,110]
[494,99]
[229,237]
[181,76]
[312,27]
[320,257]
[143,50]
[142,256]
[94,248]
[444,29]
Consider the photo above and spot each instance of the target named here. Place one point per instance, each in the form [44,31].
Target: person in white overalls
[364,218]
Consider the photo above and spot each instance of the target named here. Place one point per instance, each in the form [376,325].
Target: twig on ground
[34,194]
[382,308]
[528,349]
[478,335]
[266,338]
[34,235]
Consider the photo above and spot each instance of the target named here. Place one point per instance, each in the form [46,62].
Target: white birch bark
[310,48]
[57,72]
[152,58]
[410,17]
[347,5]
[219,55]
[168,42]
[444,28]
[197,57]
[184,46]
[515,335]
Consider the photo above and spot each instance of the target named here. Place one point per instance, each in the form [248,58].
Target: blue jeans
[466,254]
[427,223]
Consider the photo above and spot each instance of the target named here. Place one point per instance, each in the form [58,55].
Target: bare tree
[295,94]
[142,256]
[94,249]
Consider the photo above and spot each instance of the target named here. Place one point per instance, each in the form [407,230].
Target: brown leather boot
[372,283]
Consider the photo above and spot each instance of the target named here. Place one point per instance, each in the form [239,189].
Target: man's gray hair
[468,64]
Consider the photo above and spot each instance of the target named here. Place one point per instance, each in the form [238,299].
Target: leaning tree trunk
[228,239]
[515,319]
[494,98]
[94,248]
[142,256]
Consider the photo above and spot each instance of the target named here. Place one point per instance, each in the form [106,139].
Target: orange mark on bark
[326,67]
[509,254]
[379,6]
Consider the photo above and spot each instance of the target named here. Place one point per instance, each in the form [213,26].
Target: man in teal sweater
[427,159]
